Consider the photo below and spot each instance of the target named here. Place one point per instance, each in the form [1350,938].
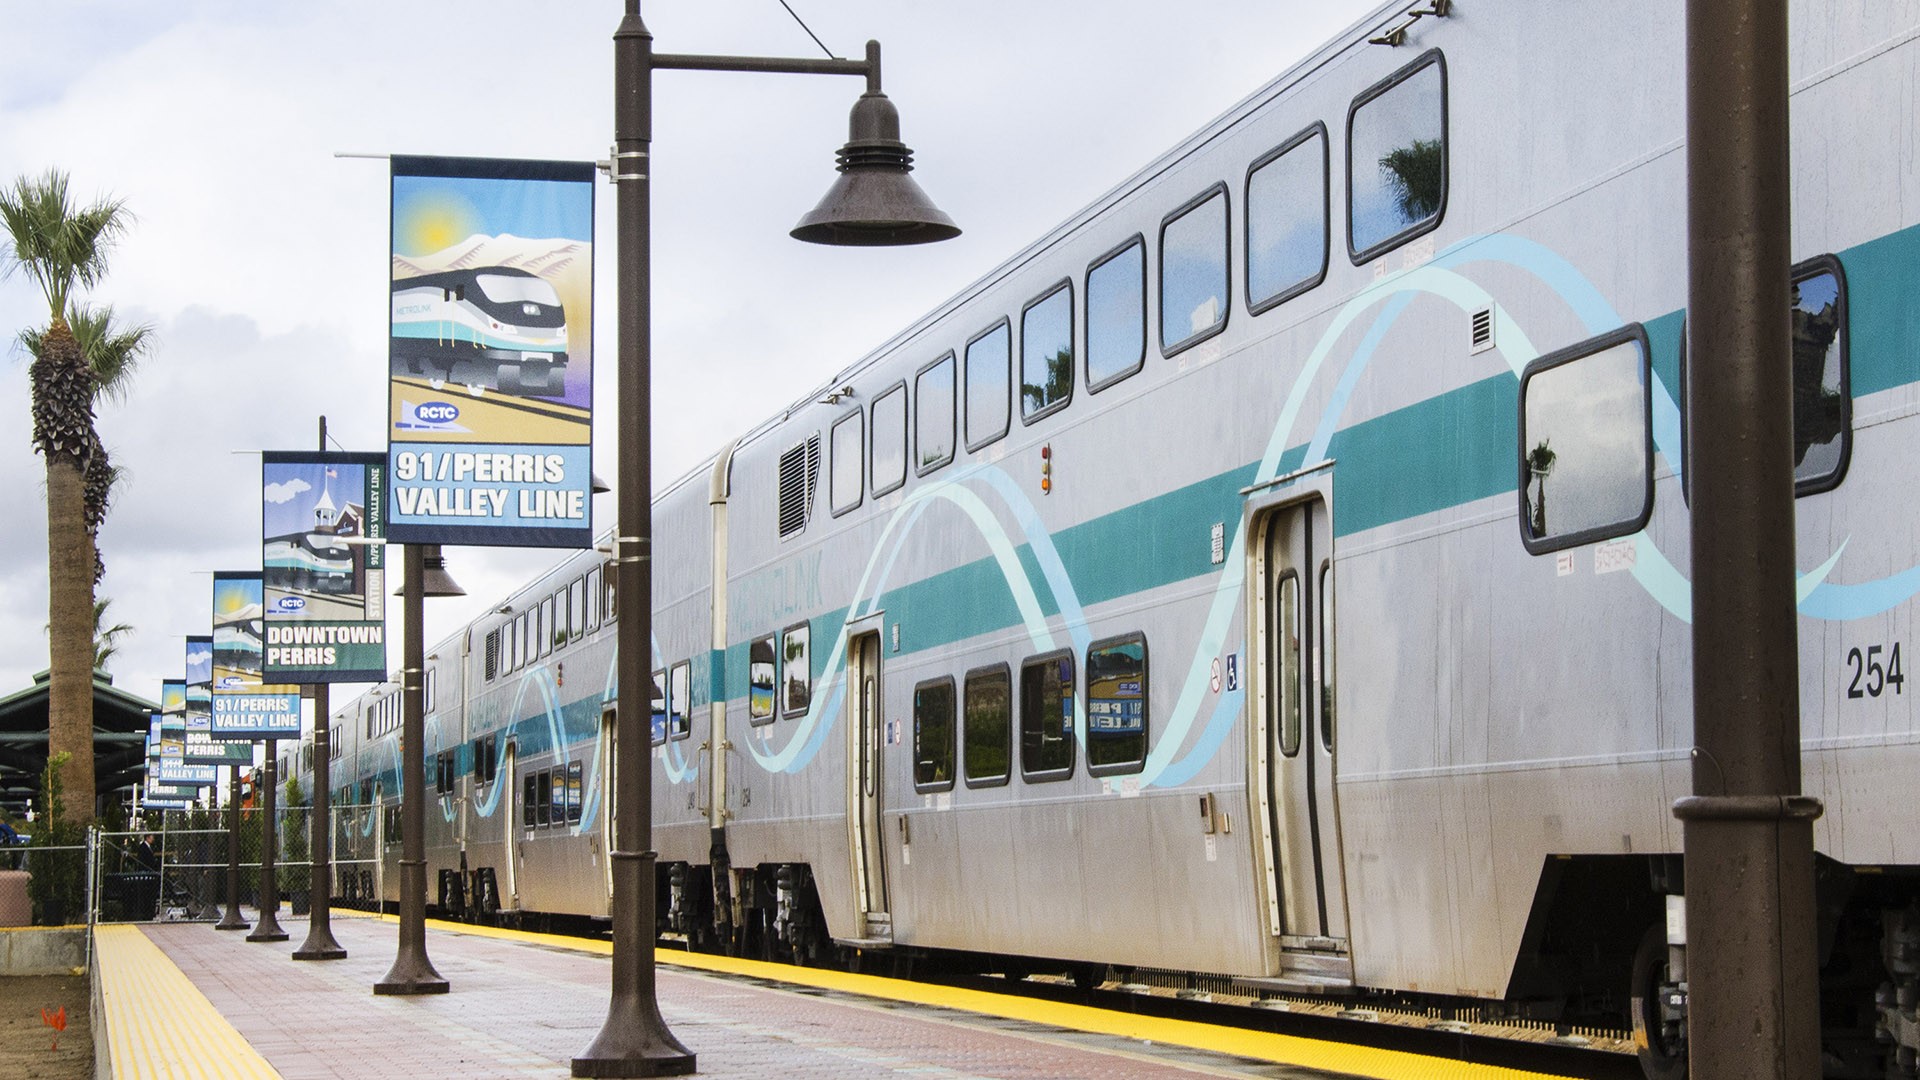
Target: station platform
[182,1000]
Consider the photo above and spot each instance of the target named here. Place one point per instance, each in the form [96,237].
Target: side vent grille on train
[799,476]
[1482,331]
[493,654]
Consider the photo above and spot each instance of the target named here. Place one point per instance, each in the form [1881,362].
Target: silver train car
[1275,575]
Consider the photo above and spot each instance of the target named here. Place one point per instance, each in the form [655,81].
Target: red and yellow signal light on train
[1046,468]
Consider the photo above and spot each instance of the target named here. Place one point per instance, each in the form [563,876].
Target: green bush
[58,884]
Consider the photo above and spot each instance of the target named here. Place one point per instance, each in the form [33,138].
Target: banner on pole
[323,567]
[174,772]
[244,706]
[490,365]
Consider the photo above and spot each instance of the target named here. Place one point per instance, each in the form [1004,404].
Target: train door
[866,736]
[510,826]
[1292,554]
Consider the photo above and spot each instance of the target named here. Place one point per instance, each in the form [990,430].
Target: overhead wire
[809,30]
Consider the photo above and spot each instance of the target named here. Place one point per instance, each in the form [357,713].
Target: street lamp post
[320,943]
[412,972]
[267,926]
[874,202]
[232,920]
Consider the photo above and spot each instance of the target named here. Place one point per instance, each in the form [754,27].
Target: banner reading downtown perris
[194,726]
[325,580]
[490,399]
[244,706]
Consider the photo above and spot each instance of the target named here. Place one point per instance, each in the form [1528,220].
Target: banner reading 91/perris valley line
[324,574]
[490,407]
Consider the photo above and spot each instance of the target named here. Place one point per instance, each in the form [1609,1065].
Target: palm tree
[112,353]
[106,639]
[63,247]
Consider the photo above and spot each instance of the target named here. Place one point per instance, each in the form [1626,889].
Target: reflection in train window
[889,422]
[548,625]
[1046,353]
[1397,158]
[989,357]
[760,680]
[659,707]
[577,609]
[530,800]
[933,416]
[849,446]
[1822,397]
[933,744]
[573,793]
[1117,705]
[989,725]
[1193,272]
[1046,717]
[1586,459]
[559,800]
[1325,640]
[680,701]
[796,671]
[1286,635]
[1287,220]
[1117,315]
[594,599]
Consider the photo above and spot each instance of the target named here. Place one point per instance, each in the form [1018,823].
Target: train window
[889,446]
[989,360]
[1117,705]
[1397,158]
[760,680]
[559,816]
[1325,641]
[1584,441]
[1116,315]
[1822,394]
[613,597]
[796,678]
[543,798]
[1193,271]
[485,767]
[429,699]
[443,772]
[1287,220]
[988,725]
[573,793]
[577,609]
[521,640]
[1046,717]
[680,701]
[933,416]
[659,707]
[595,597]
[557,627]
[1286,632]
[799,478]
[530,803]
[1046,353]
[849,447]
[543,625]
[933,746]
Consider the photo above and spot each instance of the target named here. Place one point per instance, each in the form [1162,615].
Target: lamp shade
[874,202]
[434,579]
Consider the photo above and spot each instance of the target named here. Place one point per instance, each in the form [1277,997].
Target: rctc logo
[290,603]
[437,412]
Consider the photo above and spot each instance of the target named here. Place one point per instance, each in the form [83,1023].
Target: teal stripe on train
[1465,440]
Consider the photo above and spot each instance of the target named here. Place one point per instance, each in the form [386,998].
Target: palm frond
[58,245]
[113,352]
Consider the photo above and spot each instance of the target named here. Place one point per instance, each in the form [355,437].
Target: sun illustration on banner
[431,219]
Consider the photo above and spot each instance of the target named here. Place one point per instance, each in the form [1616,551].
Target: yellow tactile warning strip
[158,1023]
[1359,1061]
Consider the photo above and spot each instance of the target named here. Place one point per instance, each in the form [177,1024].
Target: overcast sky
[261,260]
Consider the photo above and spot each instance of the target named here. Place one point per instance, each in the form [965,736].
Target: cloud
[280,493]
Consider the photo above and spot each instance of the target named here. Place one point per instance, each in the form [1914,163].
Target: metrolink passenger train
[1276,576]
[489,328]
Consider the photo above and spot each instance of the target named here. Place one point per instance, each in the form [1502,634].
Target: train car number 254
[1871,677]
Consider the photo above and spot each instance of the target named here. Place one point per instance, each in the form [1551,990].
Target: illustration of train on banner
[1272,579]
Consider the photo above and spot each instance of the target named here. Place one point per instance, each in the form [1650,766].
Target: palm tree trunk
[70,637]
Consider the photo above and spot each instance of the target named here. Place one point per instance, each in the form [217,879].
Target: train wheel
[1661,1057]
